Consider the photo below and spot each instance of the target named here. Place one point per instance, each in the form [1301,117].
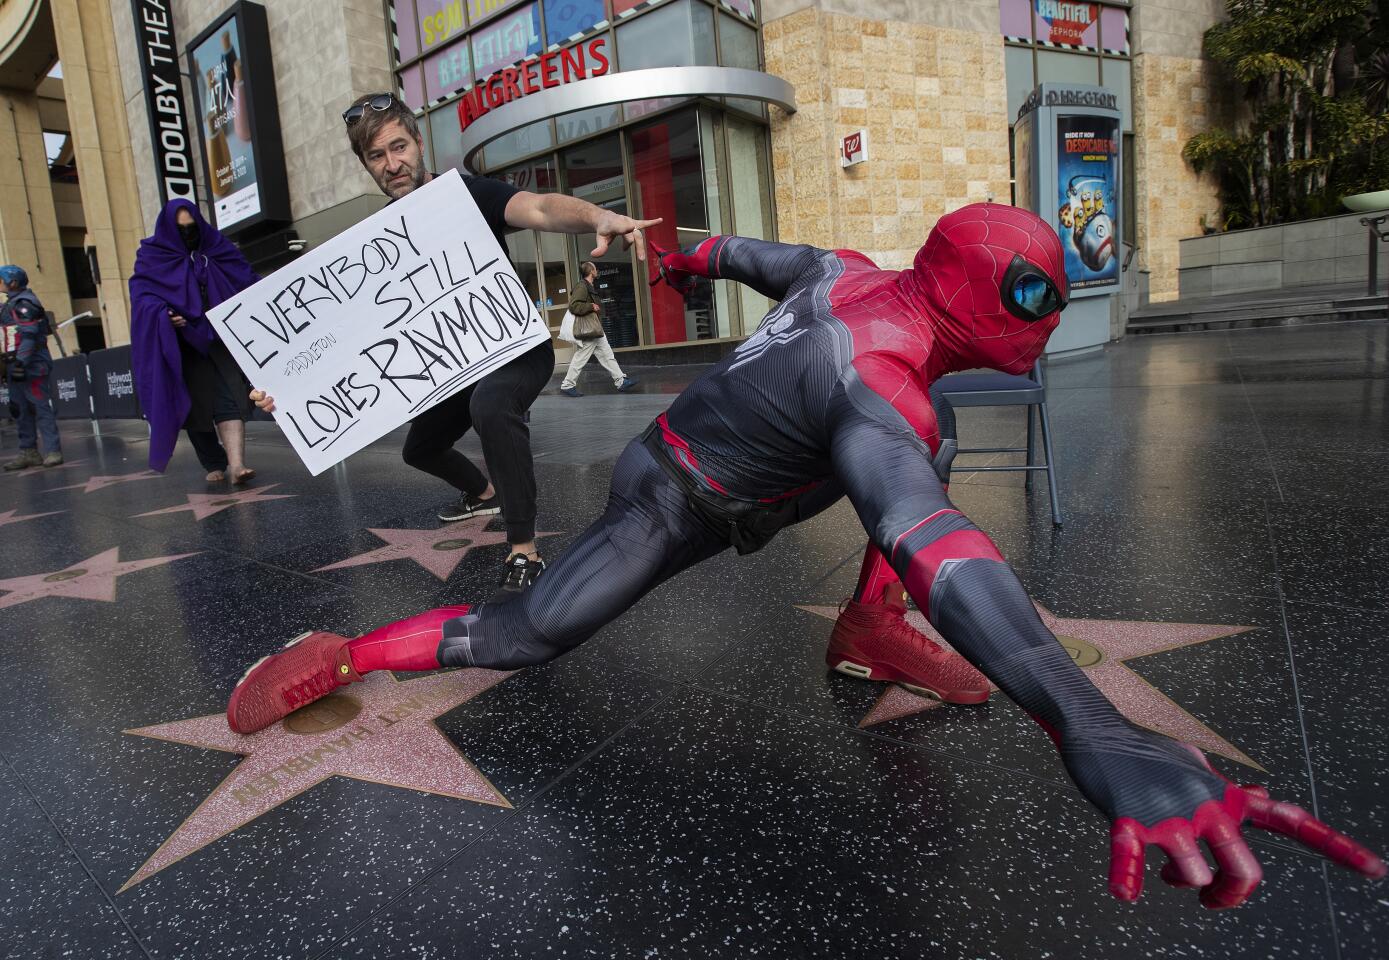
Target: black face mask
[192,236]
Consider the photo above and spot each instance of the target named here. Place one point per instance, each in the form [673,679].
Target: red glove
[664,266]
[1218,822]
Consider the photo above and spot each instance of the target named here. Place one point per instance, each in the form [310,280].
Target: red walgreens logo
[854,148]
[551,69]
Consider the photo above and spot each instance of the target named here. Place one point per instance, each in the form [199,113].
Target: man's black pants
[495,407]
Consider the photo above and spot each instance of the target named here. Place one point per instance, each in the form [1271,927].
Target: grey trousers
[590,348]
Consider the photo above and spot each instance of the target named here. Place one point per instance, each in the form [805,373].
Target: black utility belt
[747,525]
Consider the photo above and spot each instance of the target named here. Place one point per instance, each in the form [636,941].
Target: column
[101,143]
[28,221]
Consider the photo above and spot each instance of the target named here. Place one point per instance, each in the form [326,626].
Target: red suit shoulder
[853,257]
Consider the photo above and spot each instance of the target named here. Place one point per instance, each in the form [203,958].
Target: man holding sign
[386,139]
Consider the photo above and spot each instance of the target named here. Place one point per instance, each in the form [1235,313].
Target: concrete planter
[1321,252]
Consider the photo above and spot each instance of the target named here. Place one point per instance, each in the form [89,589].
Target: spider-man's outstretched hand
[1156,790]
[664,267]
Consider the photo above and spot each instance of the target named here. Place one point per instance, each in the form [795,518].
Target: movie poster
[221,94]
[1087,175]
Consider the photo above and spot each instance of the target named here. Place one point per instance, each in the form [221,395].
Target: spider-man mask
[994,281]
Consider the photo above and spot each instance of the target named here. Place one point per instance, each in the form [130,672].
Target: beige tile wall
[1172,102]
[934,103]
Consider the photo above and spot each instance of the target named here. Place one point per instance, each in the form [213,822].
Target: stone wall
[1173,28]
[325,54]
[933,100]
[1172,102]
[1176,95]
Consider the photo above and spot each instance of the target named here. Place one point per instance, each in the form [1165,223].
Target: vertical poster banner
[1022,162]
[744,7]
[439,21]
[112,382]
[481,9]
[1087,177]
[391,316]
[567,20]
[509,38]
[220,87]
[158,51]
[447,71]
[72,391]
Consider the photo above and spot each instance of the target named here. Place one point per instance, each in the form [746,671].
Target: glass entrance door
[669,180]
[594,173]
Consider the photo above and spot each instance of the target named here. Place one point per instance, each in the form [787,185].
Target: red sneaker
[310,667]
[874,641]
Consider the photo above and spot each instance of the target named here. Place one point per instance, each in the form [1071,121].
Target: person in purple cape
[184,375]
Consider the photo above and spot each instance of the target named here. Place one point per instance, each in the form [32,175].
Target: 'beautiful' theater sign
[551,69]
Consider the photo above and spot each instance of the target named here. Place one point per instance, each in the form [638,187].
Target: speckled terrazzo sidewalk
[693,783]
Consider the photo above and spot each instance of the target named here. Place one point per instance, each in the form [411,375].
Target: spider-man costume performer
[830,397]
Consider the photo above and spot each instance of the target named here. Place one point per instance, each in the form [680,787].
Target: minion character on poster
[1087,173]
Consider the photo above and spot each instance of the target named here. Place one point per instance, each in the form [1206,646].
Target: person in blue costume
[27,367]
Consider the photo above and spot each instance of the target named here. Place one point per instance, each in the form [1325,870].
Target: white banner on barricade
[359,335]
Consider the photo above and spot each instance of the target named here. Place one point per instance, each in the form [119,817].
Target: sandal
[216,476]
[243,475]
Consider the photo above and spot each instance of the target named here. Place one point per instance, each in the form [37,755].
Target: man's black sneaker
[521,572]
[470,507]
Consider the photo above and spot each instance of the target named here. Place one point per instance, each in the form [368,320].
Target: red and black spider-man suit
[830,397]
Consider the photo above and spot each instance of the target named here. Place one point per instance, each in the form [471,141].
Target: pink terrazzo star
[14,516]
[379,730]
[1101,647]
[439,551]
[101,483]
[92,579]
[204,505]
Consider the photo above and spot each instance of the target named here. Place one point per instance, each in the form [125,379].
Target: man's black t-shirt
[491,197]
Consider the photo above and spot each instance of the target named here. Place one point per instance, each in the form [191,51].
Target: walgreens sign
[579,62]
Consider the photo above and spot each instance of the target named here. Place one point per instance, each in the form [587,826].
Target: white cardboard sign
[388,318]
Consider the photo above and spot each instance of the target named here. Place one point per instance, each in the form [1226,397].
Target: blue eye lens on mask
[1034,295]
[1028,294]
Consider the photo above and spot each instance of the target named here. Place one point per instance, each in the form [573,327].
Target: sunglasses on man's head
[380,102]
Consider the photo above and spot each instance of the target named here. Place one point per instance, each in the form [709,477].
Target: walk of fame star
[379,730]
[14,516]
[92,579]
[204,505]
[101,483]
[439,551]
[1101,648]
